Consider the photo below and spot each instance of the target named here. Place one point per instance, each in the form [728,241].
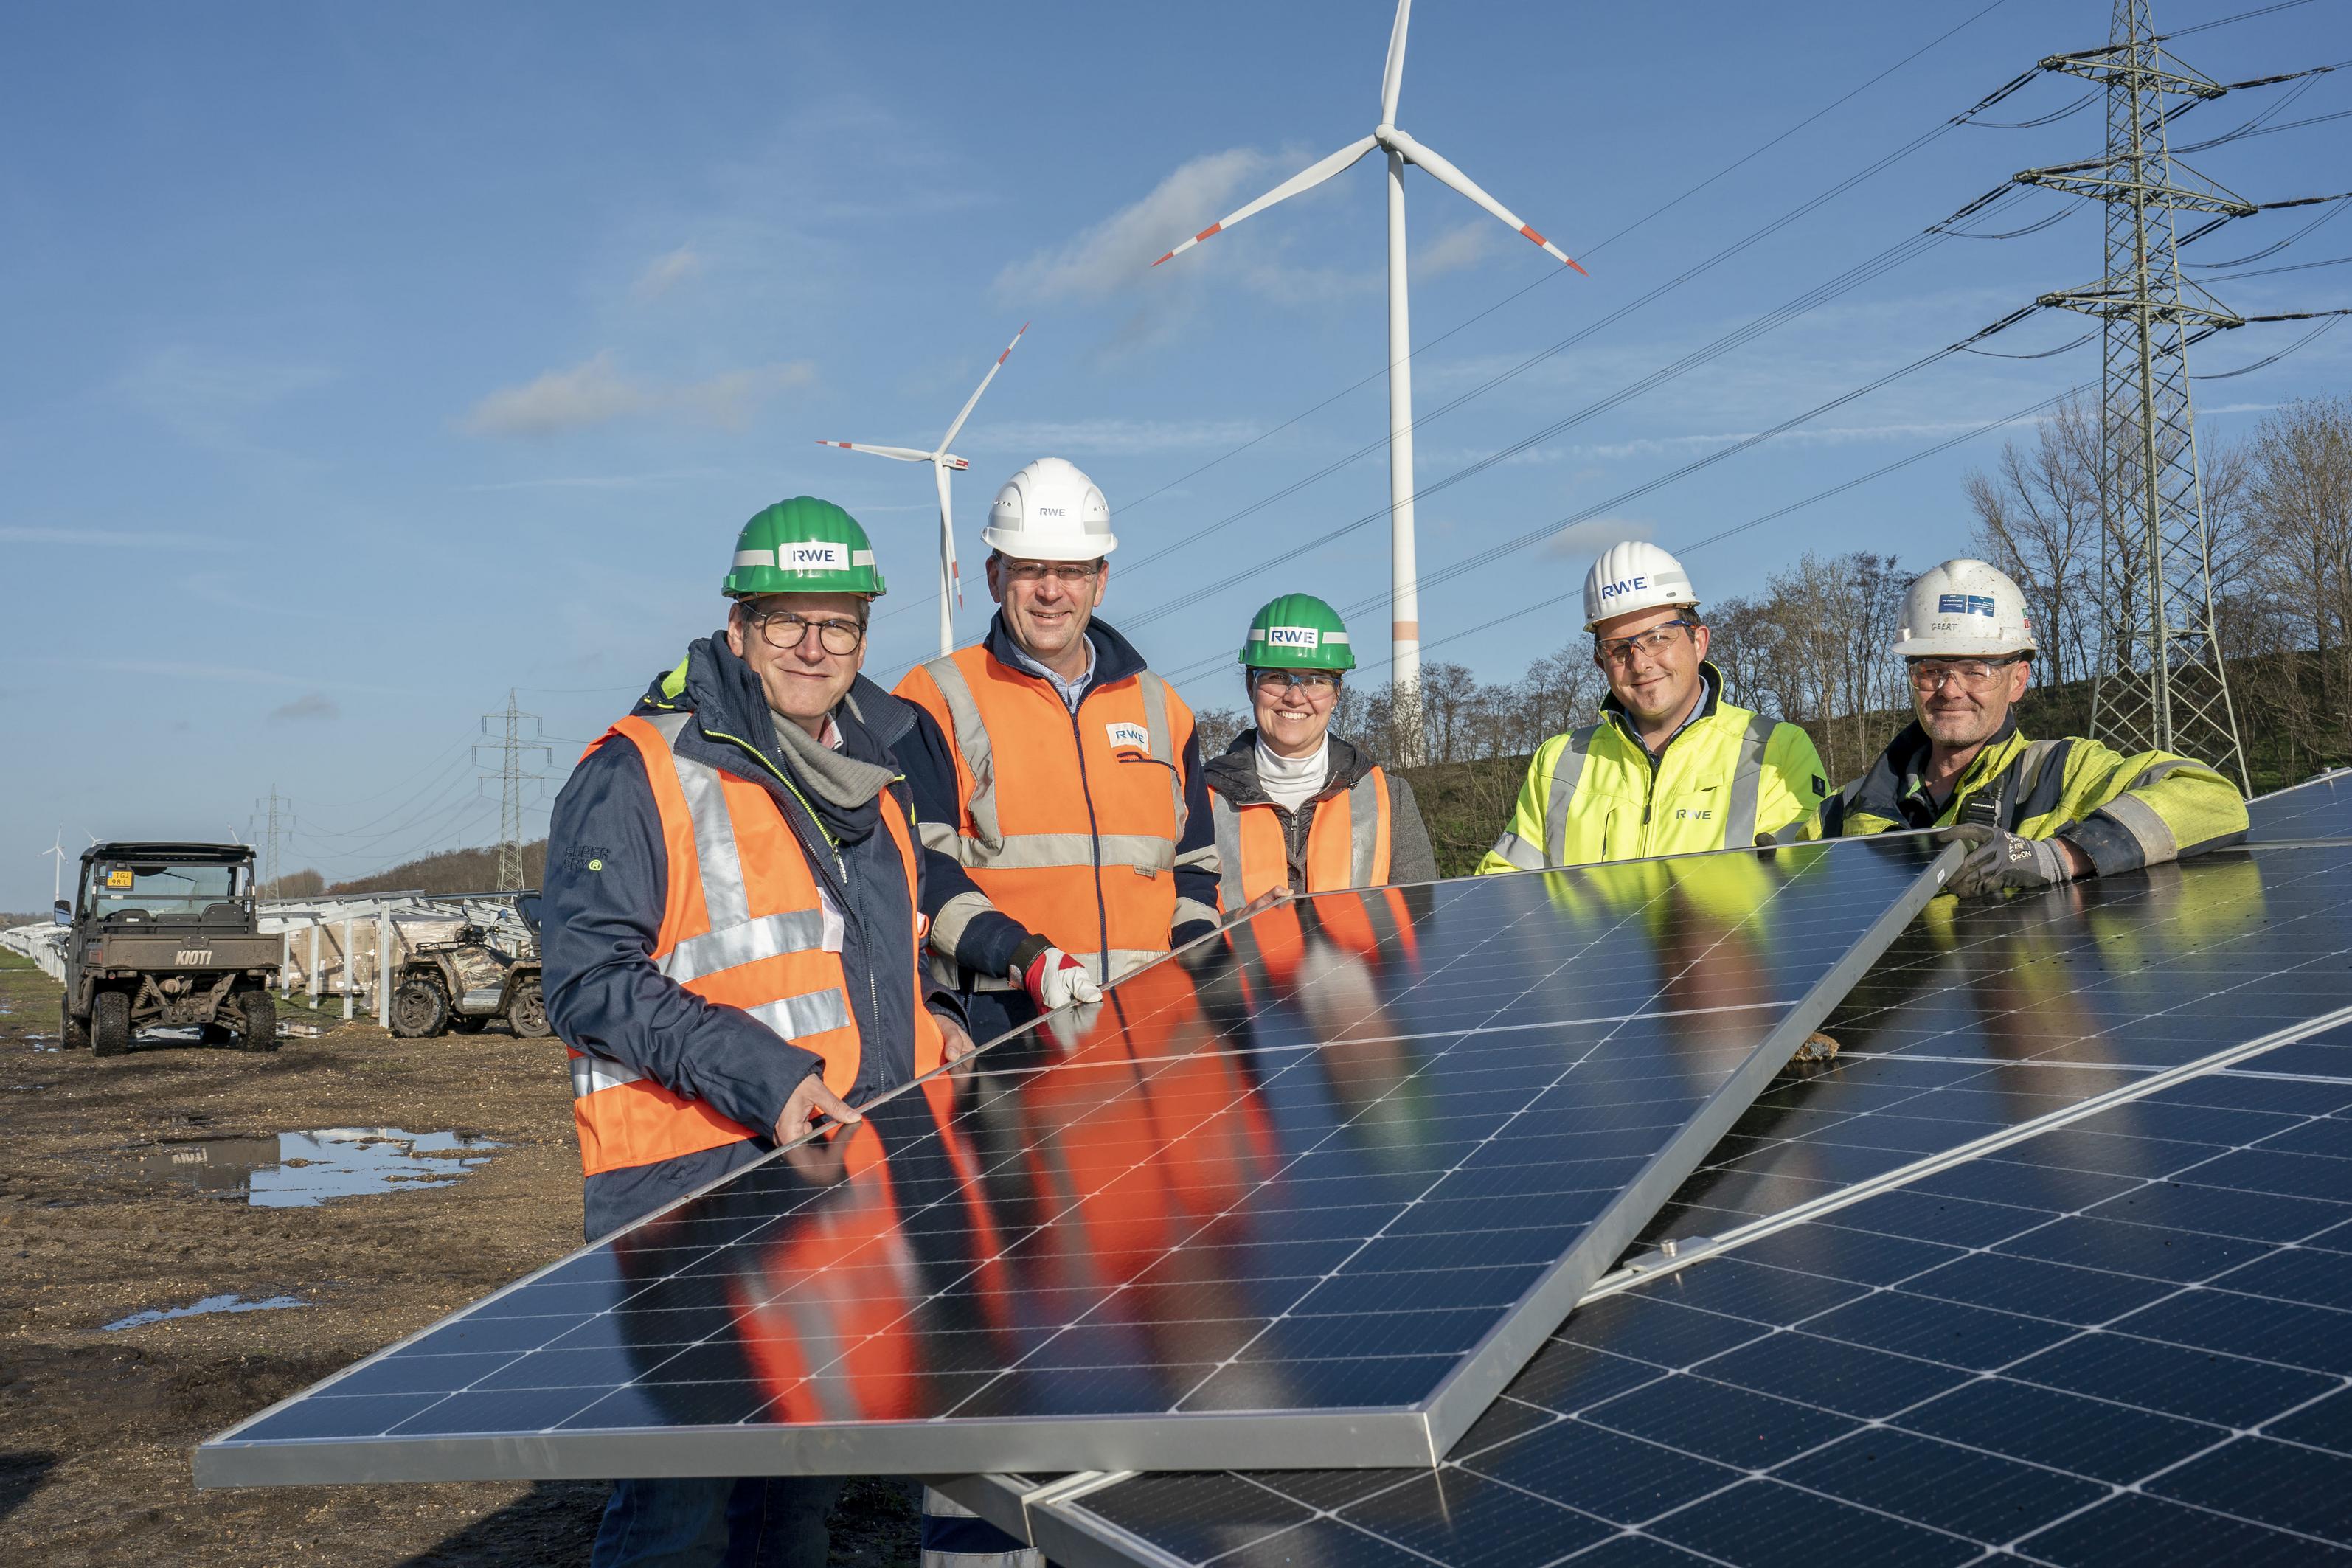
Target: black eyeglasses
[783,631]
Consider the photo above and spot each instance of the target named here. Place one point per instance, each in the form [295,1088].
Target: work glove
[2000,862]
[1054,980]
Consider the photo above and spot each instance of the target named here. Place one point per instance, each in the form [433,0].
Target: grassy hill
[450,871]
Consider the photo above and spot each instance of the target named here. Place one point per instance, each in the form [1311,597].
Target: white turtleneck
[1291,782]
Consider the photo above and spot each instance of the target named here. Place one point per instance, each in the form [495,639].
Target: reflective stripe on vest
[1562,798]
[1090,840]
[743,925]
[1346,843]
[1747,779]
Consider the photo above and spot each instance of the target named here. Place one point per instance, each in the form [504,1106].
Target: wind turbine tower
[1405,673]
[58,871]
[943,463]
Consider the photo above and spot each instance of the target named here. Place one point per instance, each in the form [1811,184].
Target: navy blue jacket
[988,943]
[607,874]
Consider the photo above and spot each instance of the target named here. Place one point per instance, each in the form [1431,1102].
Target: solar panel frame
[1407,1435]
[2318,810]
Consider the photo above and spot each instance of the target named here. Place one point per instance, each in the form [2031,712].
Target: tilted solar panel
[1226,1219]
[2123,1339]
[2318,809]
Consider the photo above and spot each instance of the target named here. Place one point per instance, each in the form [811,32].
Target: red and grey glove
[1053,978]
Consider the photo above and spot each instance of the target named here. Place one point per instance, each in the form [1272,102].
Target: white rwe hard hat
[1964,609]
[1635,575]
[1050,511]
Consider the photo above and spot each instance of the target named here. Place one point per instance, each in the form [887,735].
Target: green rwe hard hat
[1298,631]
[802,546]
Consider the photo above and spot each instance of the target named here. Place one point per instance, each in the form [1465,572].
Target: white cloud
[667,271]
[1464,247]
[1114,255]
[111,539]
[308,706]
[595,392]
[1593,537]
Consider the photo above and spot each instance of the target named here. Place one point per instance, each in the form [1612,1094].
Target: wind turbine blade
[949,440]
[947,522]
[903,453]
[1444,172]
[1306,180]
[1392,78]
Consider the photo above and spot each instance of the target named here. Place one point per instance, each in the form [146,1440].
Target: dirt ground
[95,1428]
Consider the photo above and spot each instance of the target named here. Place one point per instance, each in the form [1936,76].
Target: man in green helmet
[1298,807]
[731,942]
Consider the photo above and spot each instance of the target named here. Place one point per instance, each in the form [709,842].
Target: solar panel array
[2320,808]
[2091,1306]
[1312,1195]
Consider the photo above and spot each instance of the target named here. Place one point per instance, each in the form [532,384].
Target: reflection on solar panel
[2321,808]
[1313,1196]
[2072,1281]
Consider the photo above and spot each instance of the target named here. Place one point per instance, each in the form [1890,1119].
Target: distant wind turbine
[1402,148]
[943,462]
[58,872]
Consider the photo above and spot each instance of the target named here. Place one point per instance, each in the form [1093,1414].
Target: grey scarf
[844,781]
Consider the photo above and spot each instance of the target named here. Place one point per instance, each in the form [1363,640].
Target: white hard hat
[1964,609]
[1050,511]
[1633,575]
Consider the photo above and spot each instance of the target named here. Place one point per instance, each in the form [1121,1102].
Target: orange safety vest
[1346,843]
[742,926]
[1070,822]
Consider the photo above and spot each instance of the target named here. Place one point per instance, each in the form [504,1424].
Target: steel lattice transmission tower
[278,815]
[2160,682]
[507,744]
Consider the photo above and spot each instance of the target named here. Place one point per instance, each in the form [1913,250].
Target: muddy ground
[95,1428]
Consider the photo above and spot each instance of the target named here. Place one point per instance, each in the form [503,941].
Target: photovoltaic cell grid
[1835,1362]
[2321,808]
[2123,1343]
[1984,1015]
[1224,1219]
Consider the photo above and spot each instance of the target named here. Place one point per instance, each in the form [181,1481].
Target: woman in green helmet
[1297,806]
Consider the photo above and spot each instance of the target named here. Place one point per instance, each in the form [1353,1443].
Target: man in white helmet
[1672,766]
[1071,790]
[2037,812]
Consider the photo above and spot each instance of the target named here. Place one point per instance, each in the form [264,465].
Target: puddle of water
[301,1170]
[229,1303]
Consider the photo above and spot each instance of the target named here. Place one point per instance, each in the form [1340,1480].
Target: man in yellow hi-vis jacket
[2036,812]
[1671,766]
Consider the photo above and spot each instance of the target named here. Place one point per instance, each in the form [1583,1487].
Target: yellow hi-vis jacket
[1597,795]
[2121,812]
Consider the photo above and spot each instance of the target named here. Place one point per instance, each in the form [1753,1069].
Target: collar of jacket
[1893,782]
[733,729]
[1710,679]
[1116,658]
[1234,772]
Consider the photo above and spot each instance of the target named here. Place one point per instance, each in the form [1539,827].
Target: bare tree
[2299,505]
[2038,518]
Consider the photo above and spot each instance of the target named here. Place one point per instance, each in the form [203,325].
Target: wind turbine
[943,462]
[58,871]
[1402,148]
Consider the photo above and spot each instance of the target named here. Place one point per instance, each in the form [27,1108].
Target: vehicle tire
[528,1015]
[110,1023]
[73,1032]
[258,1021]
[420,1010]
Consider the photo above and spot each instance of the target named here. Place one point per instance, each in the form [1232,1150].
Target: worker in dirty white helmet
[732,945]
[1067,782]
[2033,813]
[1671,766]
[1297,806]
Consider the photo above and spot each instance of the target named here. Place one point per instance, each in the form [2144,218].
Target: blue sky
[367,362]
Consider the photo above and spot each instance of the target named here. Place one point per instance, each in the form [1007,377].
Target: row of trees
[1811,646]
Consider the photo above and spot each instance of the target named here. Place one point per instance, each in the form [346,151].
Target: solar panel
[2123,1339]
[1229,1218]
[2319,808]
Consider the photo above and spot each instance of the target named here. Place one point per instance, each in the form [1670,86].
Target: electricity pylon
[507,742]
[2160,684]
[277,814]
